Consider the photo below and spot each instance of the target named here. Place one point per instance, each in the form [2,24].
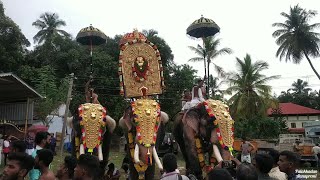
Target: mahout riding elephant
[143,123]
[206,128]
[92,130]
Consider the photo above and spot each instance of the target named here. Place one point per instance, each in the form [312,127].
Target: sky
[245,27]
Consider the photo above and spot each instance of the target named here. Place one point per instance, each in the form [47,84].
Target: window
[293,125]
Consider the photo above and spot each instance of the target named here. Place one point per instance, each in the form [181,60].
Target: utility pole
[66,113]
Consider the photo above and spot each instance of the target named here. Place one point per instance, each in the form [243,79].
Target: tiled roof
[294,109]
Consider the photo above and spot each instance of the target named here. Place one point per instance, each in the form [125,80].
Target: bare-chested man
[91,97]
[42,161]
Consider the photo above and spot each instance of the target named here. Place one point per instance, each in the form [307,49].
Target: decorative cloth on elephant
[92,121]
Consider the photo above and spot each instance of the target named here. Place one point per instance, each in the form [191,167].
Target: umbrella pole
[205,67]
[91,71]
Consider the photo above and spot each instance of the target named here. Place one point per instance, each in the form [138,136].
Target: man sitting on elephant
[91,97]
[197,96]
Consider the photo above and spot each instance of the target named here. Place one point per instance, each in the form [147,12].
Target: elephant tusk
[156,158]
[81,149]
[136,154]
[100,153]
[217,153]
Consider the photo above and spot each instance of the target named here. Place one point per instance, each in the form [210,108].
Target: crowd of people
[269,165]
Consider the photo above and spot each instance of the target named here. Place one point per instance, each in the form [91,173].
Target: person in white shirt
[275,171]
[197,96]
[316,152]
[6,148]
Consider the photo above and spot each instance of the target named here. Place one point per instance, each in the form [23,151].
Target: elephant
[92,130]
[206,128]
[144,123]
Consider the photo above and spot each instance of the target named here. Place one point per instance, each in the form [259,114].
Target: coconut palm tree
[209,52]
[296,37]
[251,94]
[300,87]
[48,24]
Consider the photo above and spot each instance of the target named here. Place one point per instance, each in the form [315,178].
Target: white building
[297,116]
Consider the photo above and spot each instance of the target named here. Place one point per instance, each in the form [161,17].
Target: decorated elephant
[206,128]
[144,124]
[92,129]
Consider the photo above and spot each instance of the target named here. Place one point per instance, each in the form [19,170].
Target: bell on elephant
[93,121]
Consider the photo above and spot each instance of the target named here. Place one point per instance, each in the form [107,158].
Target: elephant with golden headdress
[92,129]
[144,124]
[206,128]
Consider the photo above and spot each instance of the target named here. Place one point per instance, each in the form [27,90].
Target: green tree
[12,43]
[300,94]
[181,78]
[251,93]
[214,88]
[209,52]
[48,25]
[55,94]
[296,37]
[300,87]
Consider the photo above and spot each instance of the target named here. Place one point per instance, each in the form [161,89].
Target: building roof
[294,109]
[12,88]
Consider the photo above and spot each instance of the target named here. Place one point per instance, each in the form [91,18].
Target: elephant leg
[192,154]
[178,135]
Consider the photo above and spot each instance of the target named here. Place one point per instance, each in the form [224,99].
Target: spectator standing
[219,173]
[41,141]
[263,164]
[288,163]
[18,166]
[275,171]
[316,152]
[42,161]
[246,171]
[170,167]
[30,143]
[66,170]
[113,173]
[18,146]
[6,148]
[53,143]
[87,167]
[246,148]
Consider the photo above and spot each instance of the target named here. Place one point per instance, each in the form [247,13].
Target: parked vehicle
[285,142]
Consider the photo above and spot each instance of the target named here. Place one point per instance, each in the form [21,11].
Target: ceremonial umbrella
[91,36]
[202,28]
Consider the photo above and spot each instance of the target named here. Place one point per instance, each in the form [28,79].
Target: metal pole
[26,122]
[66,113]
[205,66]
[208,81]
